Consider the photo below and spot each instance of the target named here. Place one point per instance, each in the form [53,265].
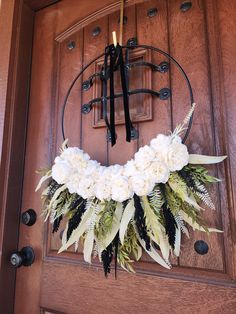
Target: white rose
[121,190]
[177,156]
[158,172]
[141,184]
[103,185]
[160,143]
[115,170]
[61,170]
[73,182]
[130,168]
[103,190]
[76,157]
[92,169]
[86,187]
[143,157]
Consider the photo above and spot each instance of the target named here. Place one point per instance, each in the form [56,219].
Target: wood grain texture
[68,64]
[135,294]
[39,136]
[6,26]
[40,4]
[93,140]
[189,27]
[147,35]
[202,284]
[225,17]
[16,41]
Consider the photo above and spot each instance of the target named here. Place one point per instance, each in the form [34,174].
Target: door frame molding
[16,37]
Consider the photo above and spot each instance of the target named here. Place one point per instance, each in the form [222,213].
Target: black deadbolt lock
[29,217]
[25,257]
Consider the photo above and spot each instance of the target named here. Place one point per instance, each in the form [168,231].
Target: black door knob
[29,217]
[25,257]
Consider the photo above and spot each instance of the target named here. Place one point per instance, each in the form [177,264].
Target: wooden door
[68,35]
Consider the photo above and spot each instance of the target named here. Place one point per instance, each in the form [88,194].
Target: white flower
[77,158]
[103,185]
[151,165]
[158,172]
[86,187]
[92,169]
[177,156]
[130,168]
[160,143]
[61,170]
[141,184]
[176,139]
[121,190]
[115,170]
[103,189]
[143,157]
[73,182]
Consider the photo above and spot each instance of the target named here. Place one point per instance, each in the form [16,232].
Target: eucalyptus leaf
[126,217]
[203,159]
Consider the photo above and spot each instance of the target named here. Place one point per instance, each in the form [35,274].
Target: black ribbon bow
[116,62]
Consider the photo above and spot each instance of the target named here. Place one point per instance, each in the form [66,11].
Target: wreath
[119,212]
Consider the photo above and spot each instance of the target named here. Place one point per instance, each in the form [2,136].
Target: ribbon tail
[112,100]
[104,88]
[126,96]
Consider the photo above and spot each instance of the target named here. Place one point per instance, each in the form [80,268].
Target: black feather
[53,186]
[116,246]
[56,223]
[188,179]
[107,256]
[170,224]
[140,222]
[79,207]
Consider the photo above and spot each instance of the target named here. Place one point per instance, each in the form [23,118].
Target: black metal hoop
[132,47]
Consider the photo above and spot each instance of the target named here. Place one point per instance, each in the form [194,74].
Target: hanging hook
[121,21]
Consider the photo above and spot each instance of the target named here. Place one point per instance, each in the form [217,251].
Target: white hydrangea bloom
[61,170]
[121,189]
[115,170]
[142,184]
[158,172]
[151,164]
[77,158]
[86,187]
[93,169]
[73,182]
[103,189]
[130,168]
[160,143]
[143,157]
[177,156]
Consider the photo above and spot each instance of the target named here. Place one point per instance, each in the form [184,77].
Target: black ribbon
[104,88]
[116,61]
[112,99]
[125,93]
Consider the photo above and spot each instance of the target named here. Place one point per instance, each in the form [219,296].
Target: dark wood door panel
[132,294]
[196,282]
[173,37]
[188,43]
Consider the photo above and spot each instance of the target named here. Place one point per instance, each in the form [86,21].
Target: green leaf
[126,217]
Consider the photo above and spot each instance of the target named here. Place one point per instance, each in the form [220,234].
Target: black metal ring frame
[131,47]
